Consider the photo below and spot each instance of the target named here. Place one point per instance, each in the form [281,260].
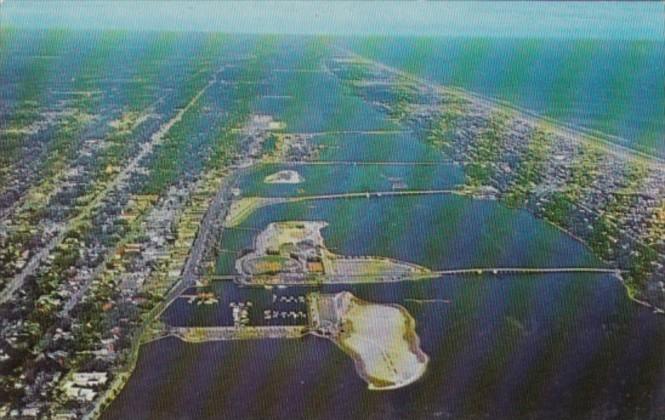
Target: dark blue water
[400,147]
[556,346]
[440,232]
[537,346]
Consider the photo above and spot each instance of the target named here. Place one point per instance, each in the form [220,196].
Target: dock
[206,334]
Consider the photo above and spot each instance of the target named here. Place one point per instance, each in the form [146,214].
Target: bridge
[363,163]
[205,334]
[387,277]
[269,201]
[369,194]
[529,270]
[347,132]
[250,204]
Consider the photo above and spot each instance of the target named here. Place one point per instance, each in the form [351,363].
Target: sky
[612,20]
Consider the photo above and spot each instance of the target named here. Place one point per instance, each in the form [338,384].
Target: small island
[381,339]
[284,177]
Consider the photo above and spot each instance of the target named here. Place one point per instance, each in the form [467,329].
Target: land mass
[294,253]
[609,197]
[284,177]
[381,339]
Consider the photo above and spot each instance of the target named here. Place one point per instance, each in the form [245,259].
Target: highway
[268,201]
[374,194]
[237,216]
[527,270]
[343,132]
[372,278]
[206,232]
[209,231]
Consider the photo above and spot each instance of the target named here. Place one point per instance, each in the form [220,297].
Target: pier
[205,334]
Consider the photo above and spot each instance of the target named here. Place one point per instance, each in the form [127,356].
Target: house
[89,379]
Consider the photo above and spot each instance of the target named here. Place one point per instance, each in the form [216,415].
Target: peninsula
[294,252]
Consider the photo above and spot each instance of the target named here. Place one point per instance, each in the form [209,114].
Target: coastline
[569,133]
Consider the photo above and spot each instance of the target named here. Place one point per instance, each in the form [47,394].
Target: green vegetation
[180,149]
[30,95]
[611,209]
[530,171]
[487,150]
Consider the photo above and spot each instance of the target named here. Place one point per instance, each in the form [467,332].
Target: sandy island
[381,339]
[284,177]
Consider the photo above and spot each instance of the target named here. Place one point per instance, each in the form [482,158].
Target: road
[373,194]
[363,163]
[210,223]
[343,132]
[16,205]
[268,201]
[210,228]
[371,278]
[123,176]
[526,270]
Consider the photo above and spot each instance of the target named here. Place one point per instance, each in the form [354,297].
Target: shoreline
[566,129]
[568,132]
